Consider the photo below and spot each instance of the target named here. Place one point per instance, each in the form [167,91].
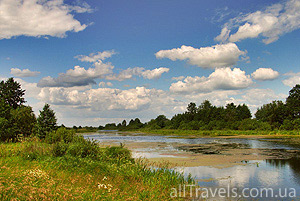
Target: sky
[98,62]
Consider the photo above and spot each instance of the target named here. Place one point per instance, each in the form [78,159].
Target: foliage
[274,113]
[46,121]
[11,93]
[24,119]
[7,128]
[293,102]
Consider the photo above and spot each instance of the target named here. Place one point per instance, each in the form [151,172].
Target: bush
[83,148]
[248,124]
[61,134]
[296,124]
[118,152]
[59,149]
[287,125]
[264,126]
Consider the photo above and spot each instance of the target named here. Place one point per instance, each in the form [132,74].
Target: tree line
[17,119]
[275,115]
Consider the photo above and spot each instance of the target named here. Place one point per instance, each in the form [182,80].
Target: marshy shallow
[240,162]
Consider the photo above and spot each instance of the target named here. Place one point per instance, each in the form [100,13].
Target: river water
[278,174]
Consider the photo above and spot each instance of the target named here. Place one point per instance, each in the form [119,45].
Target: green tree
[274,113]
[7,128]
[231,112]
[293,102]
[24,119]
[46,121]
[161,121]
[191,108]
[12,93]
[243,112]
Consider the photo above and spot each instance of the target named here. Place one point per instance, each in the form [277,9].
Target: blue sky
[97,62]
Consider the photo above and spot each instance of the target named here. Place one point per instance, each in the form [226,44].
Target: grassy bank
[36,170]
[212,133]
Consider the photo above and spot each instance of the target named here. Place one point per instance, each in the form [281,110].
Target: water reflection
[292,164]
[117,137]
[255,174]
[273,173]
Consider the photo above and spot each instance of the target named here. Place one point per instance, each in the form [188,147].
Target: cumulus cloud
[155,73]
[38,18]
[274,21]
[138,71]
[101,98]
[93,57]
[78,76]
[220,79]
[257,97]
[222,55]
[178,78]
[103,84]
[292,80]
[263,74]
[23,73]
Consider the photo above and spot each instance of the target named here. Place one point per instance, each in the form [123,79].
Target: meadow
[64,166]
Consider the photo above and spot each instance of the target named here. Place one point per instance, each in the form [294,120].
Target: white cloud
[220,79]
[93,57]
[222,55]
[78,76]
[138,71]
[263,74]
[292,80]
[274,21]
[126,74]
[102,99]
[23,73]
[38,18]
[257,97]
[103,84]
[155,73]
[178,78]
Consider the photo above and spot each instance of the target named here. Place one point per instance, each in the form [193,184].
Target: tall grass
[66,167]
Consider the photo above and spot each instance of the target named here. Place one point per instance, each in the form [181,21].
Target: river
[247,166]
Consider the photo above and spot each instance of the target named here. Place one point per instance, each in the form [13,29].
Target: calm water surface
[253,174]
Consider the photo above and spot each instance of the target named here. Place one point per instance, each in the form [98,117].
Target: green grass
[30,171]
[201,133]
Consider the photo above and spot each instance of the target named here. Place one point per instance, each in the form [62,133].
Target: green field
[33,170]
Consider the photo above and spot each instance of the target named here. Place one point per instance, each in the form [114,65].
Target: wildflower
[107,187]
[37,173]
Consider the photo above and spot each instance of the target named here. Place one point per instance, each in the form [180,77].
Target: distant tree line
[18,119]
[274,115]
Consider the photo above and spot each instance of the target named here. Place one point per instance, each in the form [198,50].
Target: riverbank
[219,133]
[30,171]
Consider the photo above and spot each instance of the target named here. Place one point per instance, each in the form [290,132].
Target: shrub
[59,149]
[296,124]
[287,125]
[61,134]
[83,148]
[248,124]
[118,152]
